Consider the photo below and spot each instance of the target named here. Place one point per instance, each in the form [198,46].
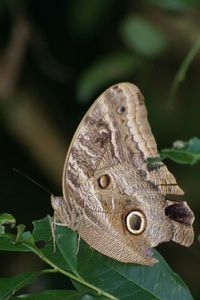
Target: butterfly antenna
[32,180]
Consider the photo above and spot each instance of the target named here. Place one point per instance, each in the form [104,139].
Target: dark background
[56,57]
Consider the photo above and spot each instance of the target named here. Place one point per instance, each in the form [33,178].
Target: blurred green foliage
[142,36]
[183,152]
[56,57]
[114,67]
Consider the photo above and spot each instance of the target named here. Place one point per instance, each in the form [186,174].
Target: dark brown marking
[73,178]
[102,139]
[121,109]
[179,212]
[140,99]
[117,90]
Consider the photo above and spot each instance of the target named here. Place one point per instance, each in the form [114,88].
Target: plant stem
[77,278]
[181,73]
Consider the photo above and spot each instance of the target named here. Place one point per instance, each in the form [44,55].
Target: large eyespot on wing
[135,222]
[110,240]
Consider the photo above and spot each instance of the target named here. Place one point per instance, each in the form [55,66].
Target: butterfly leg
[69,216]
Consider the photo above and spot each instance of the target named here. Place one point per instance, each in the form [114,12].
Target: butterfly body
[115,201]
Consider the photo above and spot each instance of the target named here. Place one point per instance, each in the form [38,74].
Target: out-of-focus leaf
[85,17]
[183,152]
[143,36]
[54,295]
[8,286]
[175,4]
[5,4]
[106,70]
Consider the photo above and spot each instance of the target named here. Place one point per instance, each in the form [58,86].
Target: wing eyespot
[135,222]
[121,109]
[104,181]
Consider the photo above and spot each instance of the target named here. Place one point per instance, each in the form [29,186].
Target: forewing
[113,131]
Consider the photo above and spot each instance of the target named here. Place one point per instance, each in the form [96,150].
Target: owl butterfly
[115,200]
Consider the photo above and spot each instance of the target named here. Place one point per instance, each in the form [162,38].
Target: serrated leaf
[183,152]
[105,71]
[142,36]
[9,286]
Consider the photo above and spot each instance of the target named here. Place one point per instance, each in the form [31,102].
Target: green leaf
[26,237]
[8,286]
[62,254]
[68,249]
[8,243]
[98,275]
[6,218]
[55,294]
[143,36]
[20,230]
[105,71]
[183,152]
[85,17]
[129,281]
[21,241]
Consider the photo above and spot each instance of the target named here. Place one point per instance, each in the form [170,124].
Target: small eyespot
[135,222]
[104,181]
[121,109]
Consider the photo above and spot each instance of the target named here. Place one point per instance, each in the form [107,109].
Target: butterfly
[117,202]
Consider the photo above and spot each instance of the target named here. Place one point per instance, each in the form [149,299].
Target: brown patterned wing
[115,129]
[106,178]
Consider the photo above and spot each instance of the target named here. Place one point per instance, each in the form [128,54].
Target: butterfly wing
[106,176]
